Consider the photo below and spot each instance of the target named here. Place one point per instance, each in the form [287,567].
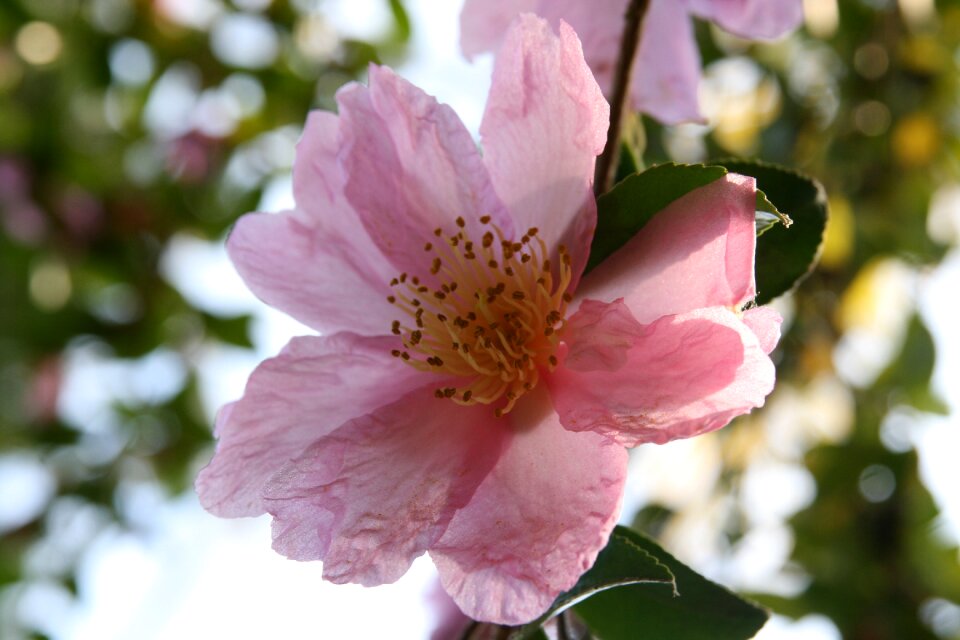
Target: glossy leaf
[622,562]
[692,608]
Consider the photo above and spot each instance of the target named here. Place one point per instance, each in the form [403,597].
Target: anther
[461,223]
[484,219]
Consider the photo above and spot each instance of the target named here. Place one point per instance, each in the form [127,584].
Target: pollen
[486,313]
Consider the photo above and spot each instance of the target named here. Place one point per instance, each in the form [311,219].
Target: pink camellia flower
[666,71]
[470,396]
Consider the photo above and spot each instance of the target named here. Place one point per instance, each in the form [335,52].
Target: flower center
[494,319]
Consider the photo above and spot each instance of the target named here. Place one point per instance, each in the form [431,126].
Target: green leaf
[627,164]
[785,255]
[764,220]
[233,331]
[401,20]
[767,215]
[625,209]
[692,608]
[622,562]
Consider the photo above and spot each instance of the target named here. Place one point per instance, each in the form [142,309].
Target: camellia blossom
[470,396]
[666,71]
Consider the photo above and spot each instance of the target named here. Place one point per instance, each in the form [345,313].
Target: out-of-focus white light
[367,20]
[874,313]
[27,488]
[94,382]
[942,616]
[198,14]
[772,491]
[202,273]
[811,627]
[215,114]
[131,62]
[169,108]
[244,40]
[316,37]
[195,576]
[245,91]
[943,219]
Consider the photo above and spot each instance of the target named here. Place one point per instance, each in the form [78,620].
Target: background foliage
[126,127]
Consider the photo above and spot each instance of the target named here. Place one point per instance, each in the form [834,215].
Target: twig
[607,162]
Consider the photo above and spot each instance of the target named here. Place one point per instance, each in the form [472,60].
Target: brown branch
[607,161]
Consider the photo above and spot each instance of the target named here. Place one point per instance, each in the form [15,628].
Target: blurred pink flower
[666,71]
[462,401]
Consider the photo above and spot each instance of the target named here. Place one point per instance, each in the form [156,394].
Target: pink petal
[599,25]
[373,495]
[329,280]
[317,179]
[680,376]
[546,121]
[752,19]
[411,167]
[698,252]
[666,72]
[765,323]
[483,23]
[536,523]
[599,335]
[449,623]
[310,389]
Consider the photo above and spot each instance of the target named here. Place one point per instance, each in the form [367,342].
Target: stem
[563,633]
[468,632]
[607,162]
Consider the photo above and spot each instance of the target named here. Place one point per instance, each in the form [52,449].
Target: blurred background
[133,133]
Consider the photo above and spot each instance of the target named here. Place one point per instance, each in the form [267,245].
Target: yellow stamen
[495,318]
